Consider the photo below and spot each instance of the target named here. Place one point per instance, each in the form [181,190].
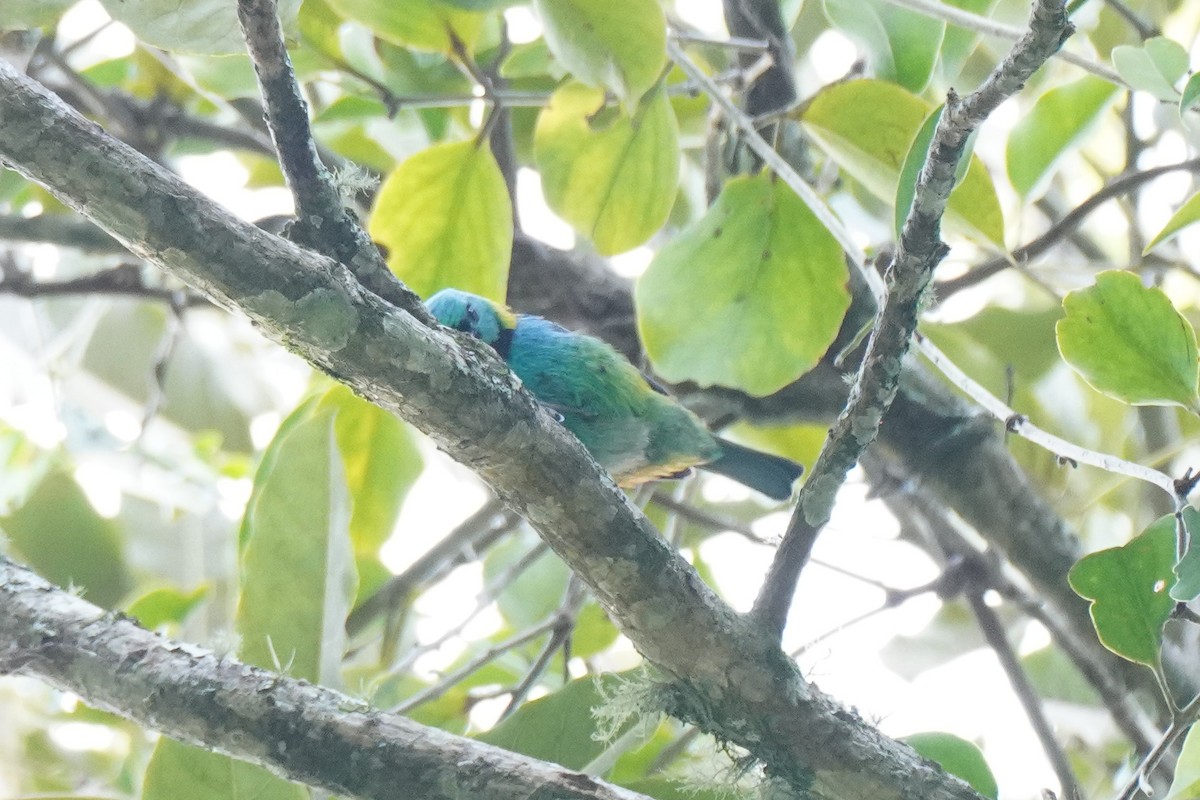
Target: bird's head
[470,313]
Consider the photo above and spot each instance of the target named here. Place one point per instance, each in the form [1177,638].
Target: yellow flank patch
[653,472]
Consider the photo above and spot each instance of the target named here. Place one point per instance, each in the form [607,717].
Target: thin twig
[1061,229]
[919,508]
[1020,424]
[562,625]
[485,599]
[974,22]
[1180,725]
[486,657]
[122,280]
[993,632]
[447,553]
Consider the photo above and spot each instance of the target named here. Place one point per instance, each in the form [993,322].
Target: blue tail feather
[770,474]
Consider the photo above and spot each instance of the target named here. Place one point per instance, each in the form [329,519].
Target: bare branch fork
[920,251]
[323,222]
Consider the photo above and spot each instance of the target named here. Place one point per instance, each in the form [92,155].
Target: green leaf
[1191,93]
[914,160]
[1128,589]
[867,127]
[1059,121]
[418,24]
[535,593]
[959,43]
[1185,785]
[902,45]
[1187,214]
[594,632]
[297,567]
[1054,676]
[749,297]
[167,605]
[179,770]
[1187,571]
[446,219]
[958,757]
[23,14]
[58,533]
[617,44]
[560,726]
[1153,67]
[197,26]
[480,5]
[612,176]
[1128,342]
[382,463]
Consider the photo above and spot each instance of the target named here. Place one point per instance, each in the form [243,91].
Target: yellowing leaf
[446,219]
[618,44]
[749,297]
[612,176]
[419,24]
[867,126]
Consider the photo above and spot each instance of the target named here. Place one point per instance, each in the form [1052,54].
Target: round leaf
[618,44]
[419,24]
[1128,589]
[958,757]
[612,176]
[446,219]
[867,127]
[1060,119]
[1154,67]
[749,297]
[191,26]
[1128,342]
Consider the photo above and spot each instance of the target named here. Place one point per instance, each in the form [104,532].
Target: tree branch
[302,732]
[1062,228]
[920,251]
[323,222]
[728,677]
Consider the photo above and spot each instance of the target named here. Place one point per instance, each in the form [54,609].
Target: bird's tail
[770,474]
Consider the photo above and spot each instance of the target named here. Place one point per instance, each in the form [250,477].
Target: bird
[627,421]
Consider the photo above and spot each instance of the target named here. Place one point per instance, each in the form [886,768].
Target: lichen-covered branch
[323,223]
[920,250]
[302,732]
[725,674]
